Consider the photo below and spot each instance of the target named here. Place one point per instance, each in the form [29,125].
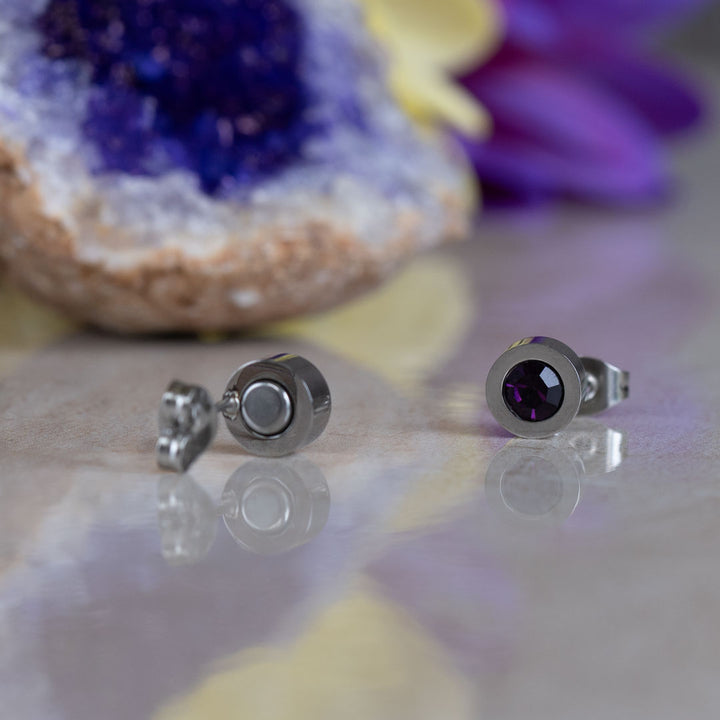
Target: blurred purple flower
[580,107]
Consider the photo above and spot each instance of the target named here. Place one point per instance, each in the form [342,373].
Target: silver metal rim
[309,394]
[562,360]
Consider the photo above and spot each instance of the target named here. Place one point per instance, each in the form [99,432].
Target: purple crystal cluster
[533,391]
[213,86]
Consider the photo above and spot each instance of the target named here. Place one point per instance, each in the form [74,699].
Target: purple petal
[665,99]
[558,134]
[532,25]
[624,16]
[538,25]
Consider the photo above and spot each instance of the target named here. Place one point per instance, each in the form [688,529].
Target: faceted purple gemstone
[533,391]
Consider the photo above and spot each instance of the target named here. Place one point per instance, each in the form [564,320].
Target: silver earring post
[272,407]
[538,385]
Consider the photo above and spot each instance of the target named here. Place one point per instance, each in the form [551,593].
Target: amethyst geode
[208,164]
[208,85]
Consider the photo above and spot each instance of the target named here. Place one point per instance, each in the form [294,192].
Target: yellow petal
[429,97]
[403,331]
[26,326]
[450,34]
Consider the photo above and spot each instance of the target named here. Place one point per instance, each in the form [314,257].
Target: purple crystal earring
[538,385]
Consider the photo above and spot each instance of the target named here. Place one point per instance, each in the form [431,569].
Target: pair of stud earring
[276,406]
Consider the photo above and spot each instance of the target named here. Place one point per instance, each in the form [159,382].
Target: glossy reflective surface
[415,561]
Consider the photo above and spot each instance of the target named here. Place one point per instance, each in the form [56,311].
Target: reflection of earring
[268,506]
[187,519]
[542,479]
[538,385]
[271,506]
[272,407]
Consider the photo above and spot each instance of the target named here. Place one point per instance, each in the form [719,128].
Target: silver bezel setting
[309,394]
[566,365]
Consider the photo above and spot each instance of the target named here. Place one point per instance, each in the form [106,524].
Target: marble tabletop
[415,561]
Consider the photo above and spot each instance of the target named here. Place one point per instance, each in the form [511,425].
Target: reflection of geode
[206,164]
